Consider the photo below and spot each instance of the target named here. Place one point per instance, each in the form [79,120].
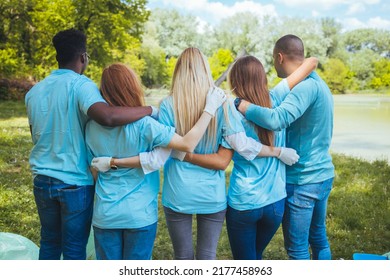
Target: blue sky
[352,14]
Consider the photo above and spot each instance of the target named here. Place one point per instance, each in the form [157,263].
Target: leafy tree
[381,74]
[375,40]
[337,75]
[331,30]
[174,32]
[220,61]
[361,64]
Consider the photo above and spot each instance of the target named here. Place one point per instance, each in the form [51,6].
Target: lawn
[358,213]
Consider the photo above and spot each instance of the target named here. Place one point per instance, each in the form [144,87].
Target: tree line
[150,42]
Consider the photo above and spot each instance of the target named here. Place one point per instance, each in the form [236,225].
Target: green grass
[358,212]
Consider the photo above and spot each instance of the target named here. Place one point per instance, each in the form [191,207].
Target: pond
[362,126]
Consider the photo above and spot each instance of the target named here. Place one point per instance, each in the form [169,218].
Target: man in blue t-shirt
[58,109]
[307,113]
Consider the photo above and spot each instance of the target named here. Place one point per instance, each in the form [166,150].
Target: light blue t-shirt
[57,112]
[307,113]
[189,188]
[126,198]
[261,181]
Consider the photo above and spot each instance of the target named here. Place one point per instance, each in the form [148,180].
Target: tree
[220,61]
[174,32]
[337,75]
[381,74]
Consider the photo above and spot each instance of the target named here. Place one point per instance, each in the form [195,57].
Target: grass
[358,211]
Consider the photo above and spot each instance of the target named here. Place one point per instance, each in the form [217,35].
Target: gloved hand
[215,98]
[288,156]
[178,155]
[101,164]
[154,113]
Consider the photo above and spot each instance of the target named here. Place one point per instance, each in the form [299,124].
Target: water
[362,126]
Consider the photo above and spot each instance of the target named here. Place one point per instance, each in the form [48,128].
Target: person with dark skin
[58,109]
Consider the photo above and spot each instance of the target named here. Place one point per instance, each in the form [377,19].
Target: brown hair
[247,79]
[120,86]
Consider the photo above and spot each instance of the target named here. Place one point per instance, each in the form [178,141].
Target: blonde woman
[189,189]
[125,209]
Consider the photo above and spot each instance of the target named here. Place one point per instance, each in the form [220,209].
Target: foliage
[113,29]
[358,208]
[337,75]
[220,61]
[381,74]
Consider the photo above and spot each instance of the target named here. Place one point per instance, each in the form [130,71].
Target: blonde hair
[120,86]
[190,83]
[247,79]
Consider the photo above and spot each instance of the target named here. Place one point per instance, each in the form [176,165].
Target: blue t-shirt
[307,113]
[57,112]
[261,181]
[189,188]
[126,198]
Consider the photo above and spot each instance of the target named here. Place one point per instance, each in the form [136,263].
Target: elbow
[223,165]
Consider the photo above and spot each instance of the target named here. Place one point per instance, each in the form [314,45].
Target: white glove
[178,155]
[215,98]
[288,156]
[102,164]
[154,113]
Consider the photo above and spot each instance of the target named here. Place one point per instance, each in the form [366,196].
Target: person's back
[311,134]
[57,111]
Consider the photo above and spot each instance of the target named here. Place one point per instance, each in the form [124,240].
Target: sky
[351,14]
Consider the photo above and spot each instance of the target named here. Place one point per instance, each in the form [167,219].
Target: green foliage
[220,61]
[381,74]
[337,75]
[113,29]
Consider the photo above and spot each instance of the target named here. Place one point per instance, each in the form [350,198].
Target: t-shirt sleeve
[165,115]
[294,106]
[87,95]
[156,133]
[280,91]
[231,120]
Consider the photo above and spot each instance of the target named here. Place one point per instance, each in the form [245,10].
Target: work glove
[215,98]
[288,156]
[101,164]
[154,113]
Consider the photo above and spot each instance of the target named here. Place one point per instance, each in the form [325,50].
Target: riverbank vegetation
[358,215]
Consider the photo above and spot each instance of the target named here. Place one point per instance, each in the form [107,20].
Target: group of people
[97,155]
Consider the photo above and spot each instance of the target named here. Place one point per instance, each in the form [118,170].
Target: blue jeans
[209,228]
[250,231]
[65,212]
[304,221]
[125,244]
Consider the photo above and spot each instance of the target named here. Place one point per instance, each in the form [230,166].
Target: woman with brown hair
[125,210]
[257,187]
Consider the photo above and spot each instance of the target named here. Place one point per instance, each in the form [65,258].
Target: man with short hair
[58,108]
[307,113]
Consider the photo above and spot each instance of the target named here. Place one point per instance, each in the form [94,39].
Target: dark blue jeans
[250,231]
[65,212]
[125,244]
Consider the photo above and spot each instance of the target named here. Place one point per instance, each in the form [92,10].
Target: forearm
[107,115]
[188,142]
[129,162]
[216,161]
[309,65]
[268,151]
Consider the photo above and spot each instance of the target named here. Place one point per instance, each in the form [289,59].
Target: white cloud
[355,8]
[326,4]
[315,13]
[375,22]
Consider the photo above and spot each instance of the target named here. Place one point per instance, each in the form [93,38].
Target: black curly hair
[69,44]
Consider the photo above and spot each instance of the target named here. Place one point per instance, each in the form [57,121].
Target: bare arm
[308,66]
[216,161]
[107,115]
